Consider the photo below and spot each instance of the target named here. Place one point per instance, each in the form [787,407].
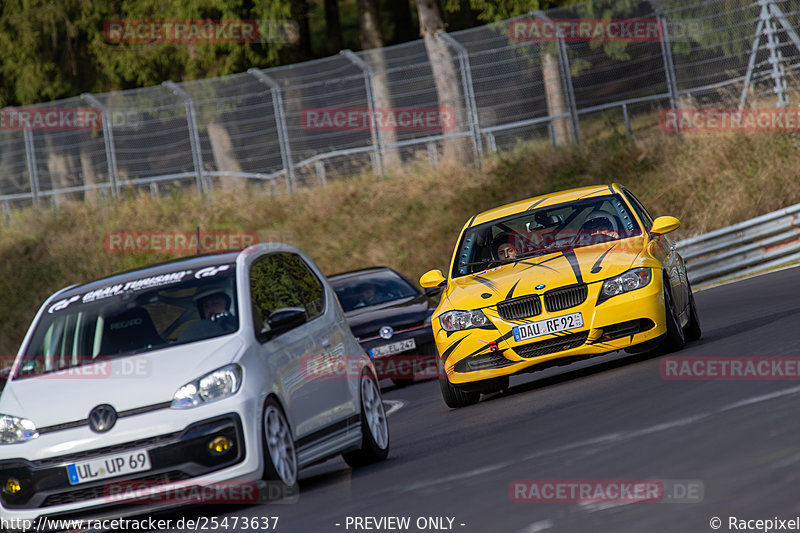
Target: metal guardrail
[760,243]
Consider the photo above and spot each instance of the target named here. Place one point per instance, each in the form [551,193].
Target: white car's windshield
[133,316]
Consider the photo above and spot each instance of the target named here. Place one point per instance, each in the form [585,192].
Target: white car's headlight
[215,386]
[458,320]
[626,282]
[14,430]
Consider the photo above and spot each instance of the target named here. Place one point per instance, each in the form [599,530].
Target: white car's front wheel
[280,456]
[374,426]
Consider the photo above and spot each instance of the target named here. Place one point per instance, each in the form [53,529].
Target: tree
[53,50]
[372,41]
[403,22]
[444,72]
[333,26]
[300,15]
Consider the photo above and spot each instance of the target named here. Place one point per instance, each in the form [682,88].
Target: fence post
[33,172]
[280,122]
[775,59]
[469,93]
[194,136]
[377,136]
[666,53]
[319,166]
[108,141]
[566,81]
[627,119]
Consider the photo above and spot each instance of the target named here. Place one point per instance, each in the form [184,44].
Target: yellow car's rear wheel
[674,339]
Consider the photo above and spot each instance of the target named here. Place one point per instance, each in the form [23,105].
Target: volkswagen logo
[386,332]
[102,418]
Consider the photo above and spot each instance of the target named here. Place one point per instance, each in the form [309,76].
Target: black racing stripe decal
[573,262]
[591,193]
[610,188]
[596,267]
[541,263]
[489,283]
[537,202]
[450,349]
[511,292]
[531,265]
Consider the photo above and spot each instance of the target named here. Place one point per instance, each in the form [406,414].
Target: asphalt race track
[612,417]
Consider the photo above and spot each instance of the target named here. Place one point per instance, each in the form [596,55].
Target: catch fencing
[501,84]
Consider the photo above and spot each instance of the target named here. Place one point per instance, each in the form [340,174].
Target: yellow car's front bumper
[620,322]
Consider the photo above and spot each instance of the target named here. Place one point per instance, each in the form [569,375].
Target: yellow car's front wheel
[456,396]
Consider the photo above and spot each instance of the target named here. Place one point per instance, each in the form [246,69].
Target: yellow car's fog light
[219,445]
[12,486]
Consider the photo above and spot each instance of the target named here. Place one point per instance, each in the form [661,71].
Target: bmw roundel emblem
[386,332]
[539,287]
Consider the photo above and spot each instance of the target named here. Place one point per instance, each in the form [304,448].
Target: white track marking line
[392,406]
[541,525]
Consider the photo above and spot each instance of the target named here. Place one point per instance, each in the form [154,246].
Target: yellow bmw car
[554,279]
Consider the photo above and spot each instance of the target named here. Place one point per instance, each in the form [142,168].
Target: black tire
[280,456]
[490,386]
[455,397]
[692,331]
[404,382]
[674,339]
[374,426]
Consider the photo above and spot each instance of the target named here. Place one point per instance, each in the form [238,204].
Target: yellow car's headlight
[626,282]
[459,320]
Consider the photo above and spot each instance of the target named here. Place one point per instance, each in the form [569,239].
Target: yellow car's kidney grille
[518,308]
[560,299]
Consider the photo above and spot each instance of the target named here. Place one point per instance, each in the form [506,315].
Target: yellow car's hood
[541,273]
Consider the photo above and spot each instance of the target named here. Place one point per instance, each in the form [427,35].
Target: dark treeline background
[52,49]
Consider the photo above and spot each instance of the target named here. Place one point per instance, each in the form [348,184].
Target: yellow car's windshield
[545,230]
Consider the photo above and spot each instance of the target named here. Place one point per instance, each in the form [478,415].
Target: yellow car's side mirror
[432,278]
[663,225]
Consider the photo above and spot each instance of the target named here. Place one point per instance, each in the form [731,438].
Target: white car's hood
[127,382]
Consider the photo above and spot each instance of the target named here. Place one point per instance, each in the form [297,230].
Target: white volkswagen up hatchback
[193,371]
